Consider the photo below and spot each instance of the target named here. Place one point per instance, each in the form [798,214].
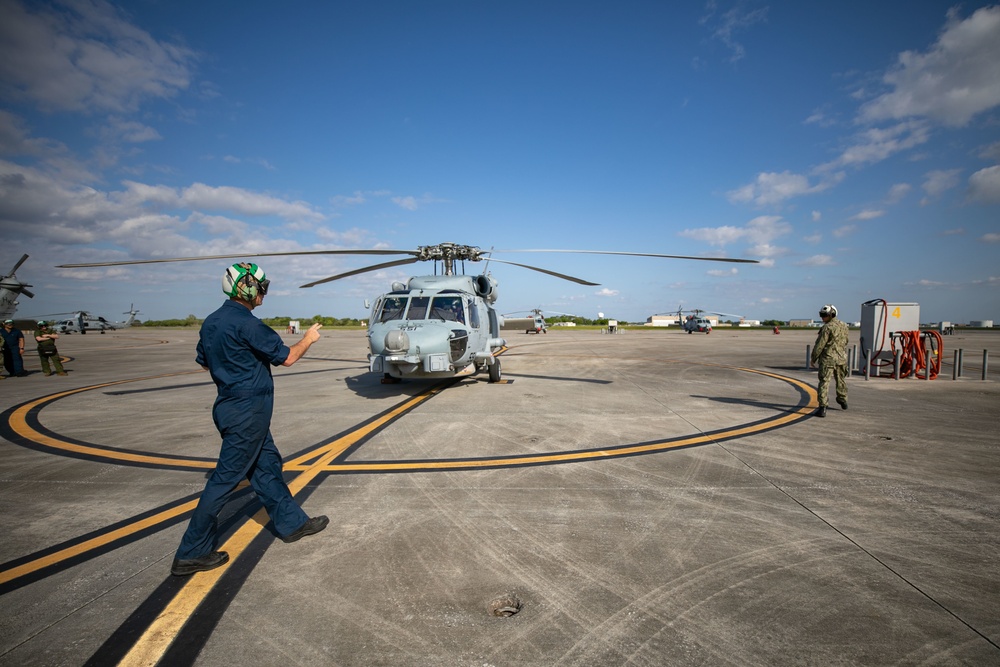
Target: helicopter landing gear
[495,374]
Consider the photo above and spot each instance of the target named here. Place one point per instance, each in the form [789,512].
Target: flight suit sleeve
[266,343]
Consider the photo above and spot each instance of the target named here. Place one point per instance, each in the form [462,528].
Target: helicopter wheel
[495,374]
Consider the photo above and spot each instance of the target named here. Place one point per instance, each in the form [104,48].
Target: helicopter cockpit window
[447,308]
[392,309]
[473,314]
[418,308]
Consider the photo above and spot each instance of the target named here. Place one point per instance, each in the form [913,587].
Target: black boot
[821,411]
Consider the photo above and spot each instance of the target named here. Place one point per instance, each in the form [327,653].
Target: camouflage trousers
[56,362]
[837,372]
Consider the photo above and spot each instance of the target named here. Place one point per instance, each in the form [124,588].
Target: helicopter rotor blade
[643,254]
[239,256]
[398,262]
[580,281]
[19,263]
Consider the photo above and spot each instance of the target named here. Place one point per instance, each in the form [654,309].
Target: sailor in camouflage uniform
[830,354]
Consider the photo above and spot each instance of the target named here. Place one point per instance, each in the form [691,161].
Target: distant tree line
[282,322]
[275,322]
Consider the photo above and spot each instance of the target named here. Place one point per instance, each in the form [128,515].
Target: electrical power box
[880,319]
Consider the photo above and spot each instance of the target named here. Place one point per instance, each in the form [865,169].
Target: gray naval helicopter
[433,326]
[10,289]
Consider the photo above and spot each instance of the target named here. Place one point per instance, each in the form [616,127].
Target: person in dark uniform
[13,349]
[237,348]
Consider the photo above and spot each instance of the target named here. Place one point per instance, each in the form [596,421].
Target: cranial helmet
[828,309]
[244,281]
[42,323]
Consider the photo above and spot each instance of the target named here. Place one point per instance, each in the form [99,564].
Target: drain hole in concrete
[505,605]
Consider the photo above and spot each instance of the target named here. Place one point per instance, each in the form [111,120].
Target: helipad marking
[18,422]
[157,638]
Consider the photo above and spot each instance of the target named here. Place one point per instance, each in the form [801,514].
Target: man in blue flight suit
[13,349]
[236,348]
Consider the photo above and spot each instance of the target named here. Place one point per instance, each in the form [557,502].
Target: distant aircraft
[534,324]
[82,322]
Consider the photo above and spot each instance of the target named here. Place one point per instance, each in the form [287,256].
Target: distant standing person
[47,352]
[830,354]
[13,349]
[237,348]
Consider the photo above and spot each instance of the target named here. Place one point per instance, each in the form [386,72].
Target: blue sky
[852,147]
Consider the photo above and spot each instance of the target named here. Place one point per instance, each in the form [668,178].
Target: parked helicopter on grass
[433,326]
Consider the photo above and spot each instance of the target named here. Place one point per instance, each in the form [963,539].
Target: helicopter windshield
[418,308]
[448,308]
[392,308]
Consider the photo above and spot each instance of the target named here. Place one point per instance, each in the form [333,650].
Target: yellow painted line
[19,424]
[149,649]
[154,642]
[568,457]
[97,542]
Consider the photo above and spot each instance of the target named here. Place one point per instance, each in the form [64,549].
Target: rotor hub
[448,253]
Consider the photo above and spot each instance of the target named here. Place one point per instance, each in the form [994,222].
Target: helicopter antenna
[489,256]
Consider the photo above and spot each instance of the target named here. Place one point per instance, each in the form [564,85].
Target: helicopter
[433,326]
[10,289]
[696,322]
[535,324]
[82,322]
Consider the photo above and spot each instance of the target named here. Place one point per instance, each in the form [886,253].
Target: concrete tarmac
[649,498]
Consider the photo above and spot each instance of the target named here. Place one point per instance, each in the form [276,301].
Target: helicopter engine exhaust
[486,287]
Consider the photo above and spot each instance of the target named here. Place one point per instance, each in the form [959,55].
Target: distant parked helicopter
[436,326]
[82,322]
[696,322]
[535,324]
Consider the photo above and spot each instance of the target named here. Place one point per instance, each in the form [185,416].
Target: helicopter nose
[397,341]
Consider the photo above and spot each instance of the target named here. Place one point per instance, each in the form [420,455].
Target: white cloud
[991,152]
[604,291]
[411,203]
[774,188]
[722,272]
[897,192]
[724,26]
[128,131]
[867,214]
[817,260]
[816,216]
[846,230]
[84,57]
[760,230]
[958,78]
[992,237]
[984,185]
[939,181]
[876,144]
[813,238]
